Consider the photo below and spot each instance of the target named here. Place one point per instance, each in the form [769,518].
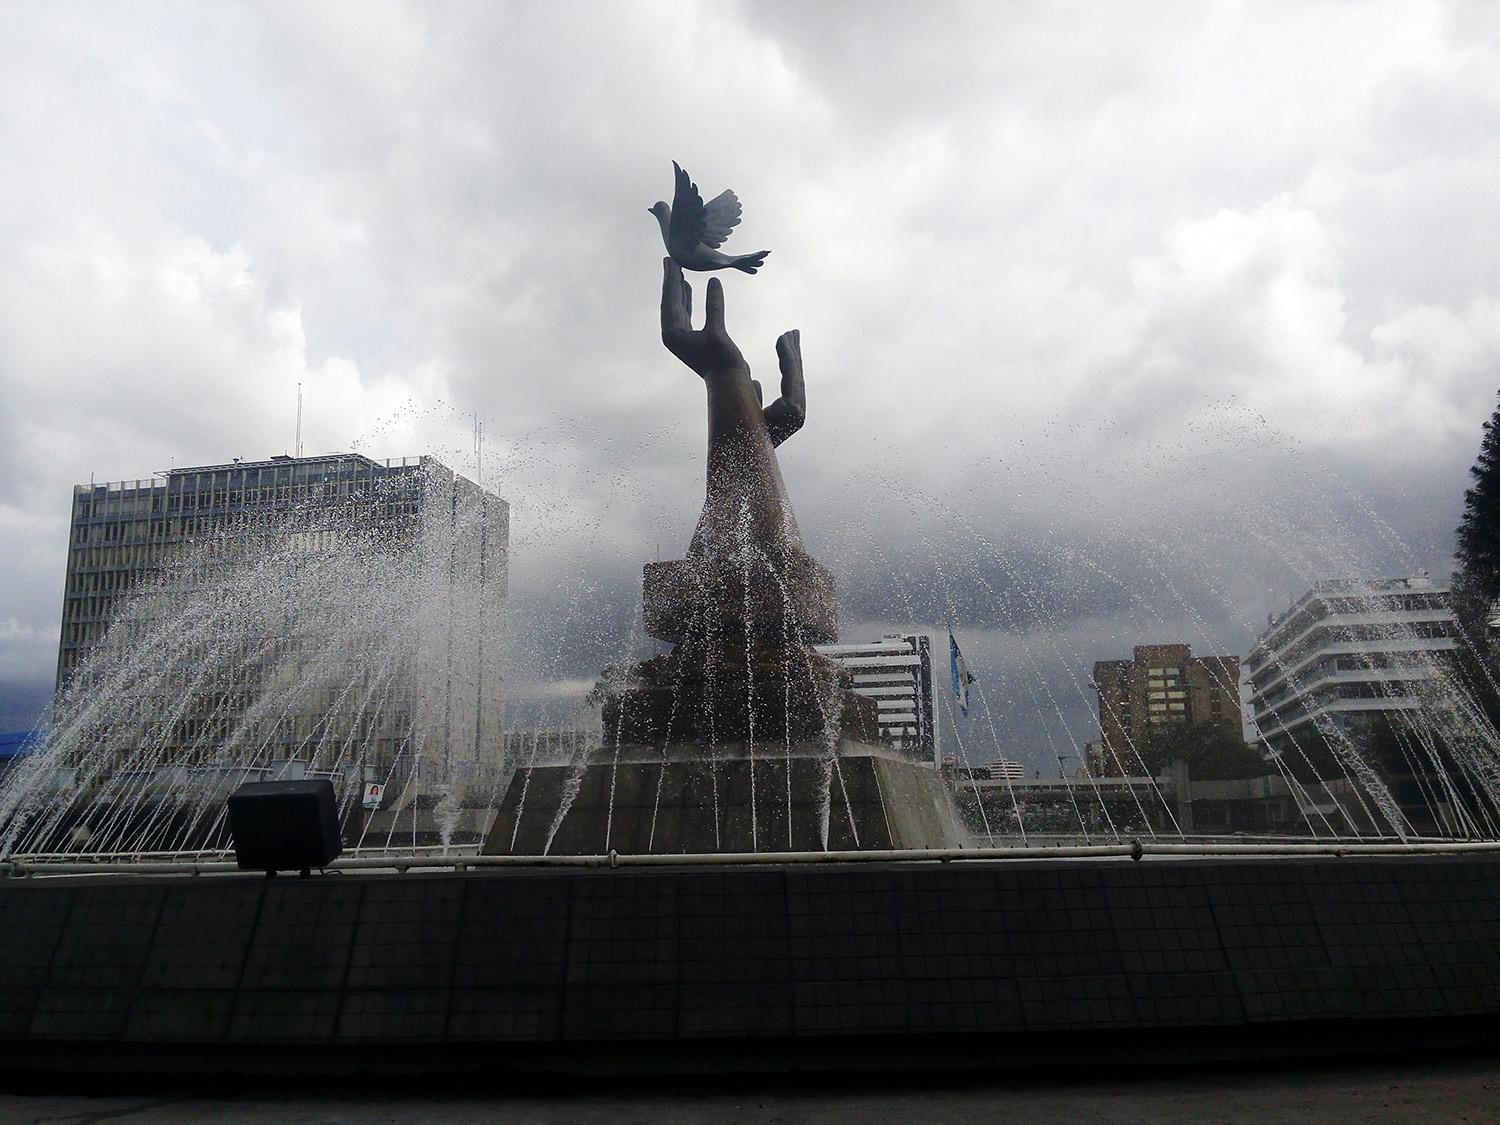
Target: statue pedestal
[728,799]
[712,691]
[799,603]
[742,667]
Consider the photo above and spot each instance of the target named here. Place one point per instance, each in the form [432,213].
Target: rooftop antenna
[299,420]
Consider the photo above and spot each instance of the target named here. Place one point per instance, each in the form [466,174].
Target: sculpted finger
[676,307]
[714,306]
[793,390]
[789,352]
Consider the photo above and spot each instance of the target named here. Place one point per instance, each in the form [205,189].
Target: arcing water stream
[331,645]
[356,637]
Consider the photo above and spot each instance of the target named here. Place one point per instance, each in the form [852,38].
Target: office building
[1346,653]
[335,611]
[896,672]
[1160,684]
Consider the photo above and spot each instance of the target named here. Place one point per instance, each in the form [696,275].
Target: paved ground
[1465,1089]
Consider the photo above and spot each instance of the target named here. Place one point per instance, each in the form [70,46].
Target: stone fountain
[743,737]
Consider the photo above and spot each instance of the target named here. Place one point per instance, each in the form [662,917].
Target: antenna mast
[299,420]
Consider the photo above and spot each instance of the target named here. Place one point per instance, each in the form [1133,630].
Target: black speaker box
[284,825]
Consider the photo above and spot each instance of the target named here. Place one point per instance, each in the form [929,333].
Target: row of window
[126,556]
[103,582]
[1359,634]
[1370,603]
[220,518]
[1362,662]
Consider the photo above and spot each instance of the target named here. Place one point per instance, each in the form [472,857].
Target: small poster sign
[372,795]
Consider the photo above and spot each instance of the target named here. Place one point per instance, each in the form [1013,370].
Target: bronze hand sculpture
[712,354]
[744,481]
[746,602]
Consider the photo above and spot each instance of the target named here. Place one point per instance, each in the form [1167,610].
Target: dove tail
[750,262]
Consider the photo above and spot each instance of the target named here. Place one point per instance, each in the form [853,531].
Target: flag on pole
[961,677]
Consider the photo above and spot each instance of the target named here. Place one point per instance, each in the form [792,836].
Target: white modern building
[896,672]
[1344,653]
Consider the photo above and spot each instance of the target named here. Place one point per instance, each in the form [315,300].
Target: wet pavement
[1458,1089]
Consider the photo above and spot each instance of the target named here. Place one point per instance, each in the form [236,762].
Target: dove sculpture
[693,230]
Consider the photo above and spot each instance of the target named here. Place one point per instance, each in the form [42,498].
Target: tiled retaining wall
[680,954]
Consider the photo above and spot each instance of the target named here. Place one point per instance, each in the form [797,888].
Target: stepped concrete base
[867,798]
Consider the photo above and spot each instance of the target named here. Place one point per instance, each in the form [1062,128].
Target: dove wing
[721,214]
[693,221]
[686,227]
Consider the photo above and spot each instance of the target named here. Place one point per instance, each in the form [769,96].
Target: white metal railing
[1294,666]
[26,867]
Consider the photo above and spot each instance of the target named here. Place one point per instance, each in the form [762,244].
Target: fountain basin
[1007,960]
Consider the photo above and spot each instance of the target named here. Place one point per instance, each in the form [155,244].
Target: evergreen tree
[1479,529]
[1476,583]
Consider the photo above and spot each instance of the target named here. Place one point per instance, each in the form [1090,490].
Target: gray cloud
[1099,307]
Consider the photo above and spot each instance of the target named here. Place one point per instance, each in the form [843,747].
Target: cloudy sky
[1122,323]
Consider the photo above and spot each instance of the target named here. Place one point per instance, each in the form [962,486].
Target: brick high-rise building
[1160,684]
